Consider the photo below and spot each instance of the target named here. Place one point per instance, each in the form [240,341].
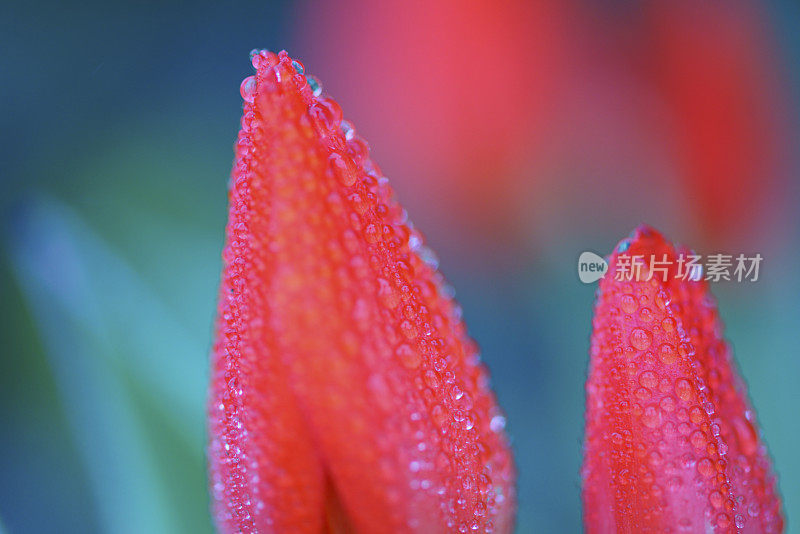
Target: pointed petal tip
[644,239]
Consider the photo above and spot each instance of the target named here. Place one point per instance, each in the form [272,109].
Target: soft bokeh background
[517,135]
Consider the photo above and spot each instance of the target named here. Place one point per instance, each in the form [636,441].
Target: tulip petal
[671,438]
[334,318]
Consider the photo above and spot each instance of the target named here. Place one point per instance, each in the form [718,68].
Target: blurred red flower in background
[718,75]
[457,90]
[345,391]
[671,439]
[500,110]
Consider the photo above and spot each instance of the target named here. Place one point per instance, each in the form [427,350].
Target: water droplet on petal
[343,168]
[628,303]
[683,388]
[667,354]
[686,350]
[348,130]
[668,404]
[432,379]
[498,423]
[705,467]
[698,439]
[248,89]
[747,436]
[648,379]
[641,338]
[326,116]
[314,84]
[651,417]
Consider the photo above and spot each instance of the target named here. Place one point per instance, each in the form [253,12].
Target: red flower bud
[344,388]
[672,443]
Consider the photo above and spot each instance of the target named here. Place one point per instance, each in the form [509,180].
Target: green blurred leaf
[133,381]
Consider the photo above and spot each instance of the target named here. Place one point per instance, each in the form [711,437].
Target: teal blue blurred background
[118,121]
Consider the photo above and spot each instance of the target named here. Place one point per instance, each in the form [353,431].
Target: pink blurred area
[511,116]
